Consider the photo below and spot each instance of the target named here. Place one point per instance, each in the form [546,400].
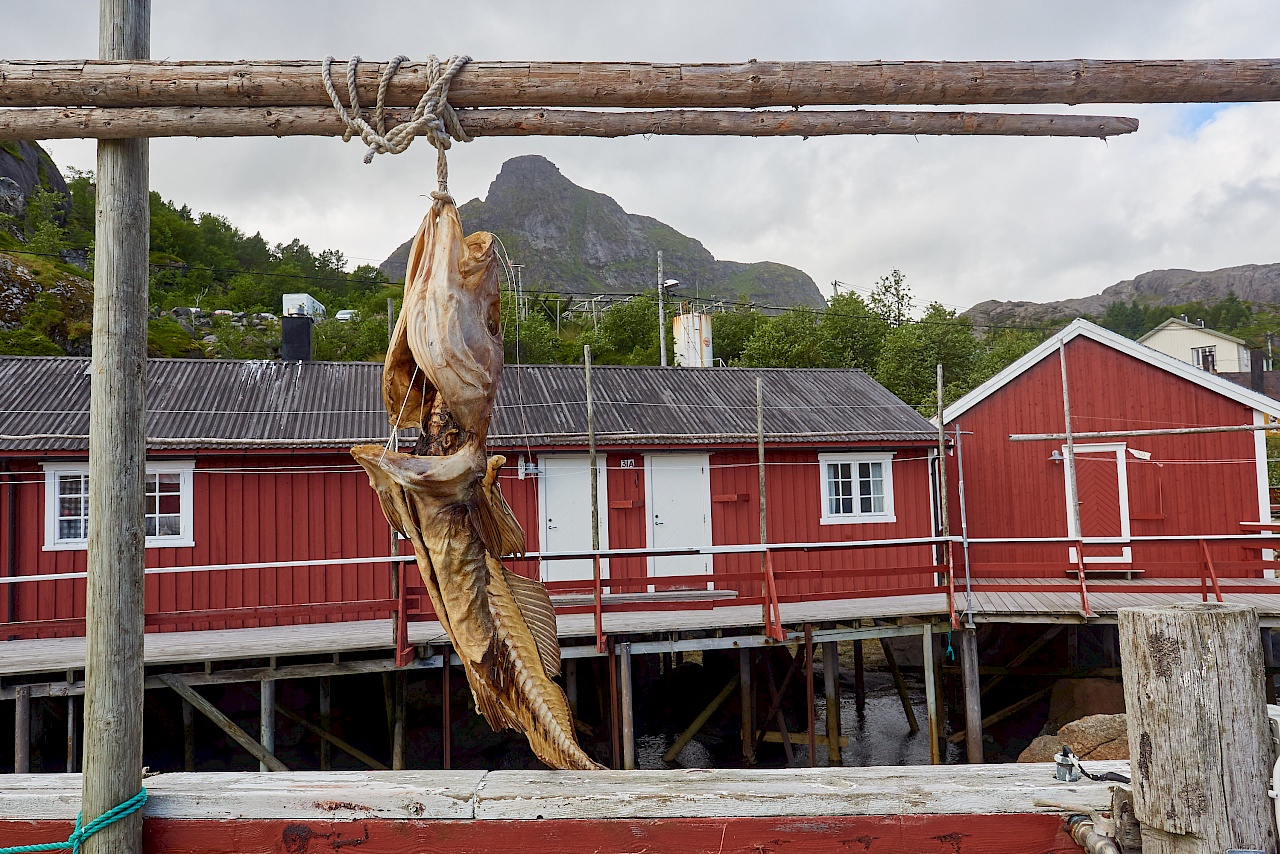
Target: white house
[1207,349]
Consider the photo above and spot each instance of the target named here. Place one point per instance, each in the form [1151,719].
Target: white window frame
[857,517]
[185,539]
[1198,354]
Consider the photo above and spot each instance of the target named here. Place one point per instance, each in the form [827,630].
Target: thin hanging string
[433,117]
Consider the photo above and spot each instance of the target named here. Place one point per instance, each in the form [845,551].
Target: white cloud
[966,219]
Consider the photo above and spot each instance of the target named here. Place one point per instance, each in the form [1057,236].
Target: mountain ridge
[574,240]
[1254,283]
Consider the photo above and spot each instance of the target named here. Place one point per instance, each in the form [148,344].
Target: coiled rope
[80,834]
[433,117]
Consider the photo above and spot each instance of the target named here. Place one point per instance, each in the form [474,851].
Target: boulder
[1094,737]
[1073,699]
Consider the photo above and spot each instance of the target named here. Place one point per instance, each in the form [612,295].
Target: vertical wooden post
[571,684]
[1269,660]
[859,679]
[615,718]
[764,527]
[22,730]
[1073,494]
[944,520]
[73,736]
[1197,728]
[892,660]
[114,610]
[808,695]
[831,682]
[189,736]
[595,503]
[397,732]
[267,719]
[748,699]
[972,695]
[628,707]
[930,695]
[326,719]
[446,732]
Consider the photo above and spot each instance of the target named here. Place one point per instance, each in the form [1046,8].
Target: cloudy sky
[966,219]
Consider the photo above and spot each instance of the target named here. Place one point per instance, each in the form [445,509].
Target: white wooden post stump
[1198,741]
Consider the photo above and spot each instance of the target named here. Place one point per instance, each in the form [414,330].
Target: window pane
[871,487]
[151,526]
[170,504]
[839,488]
[170,482]
[151,505]
[170,526]
[70,529]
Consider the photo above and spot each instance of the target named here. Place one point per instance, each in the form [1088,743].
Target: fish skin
[445,357]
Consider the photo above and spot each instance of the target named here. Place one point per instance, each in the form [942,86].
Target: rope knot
[433,117]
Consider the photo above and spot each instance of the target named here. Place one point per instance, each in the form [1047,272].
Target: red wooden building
[248,464]
[1130,487]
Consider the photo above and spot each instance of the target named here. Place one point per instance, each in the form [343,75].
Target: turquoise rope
[80,834]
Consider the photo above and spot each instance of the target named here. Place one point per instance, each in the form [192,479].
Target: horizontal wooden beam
[130,122]
[80,83]
[1162,431]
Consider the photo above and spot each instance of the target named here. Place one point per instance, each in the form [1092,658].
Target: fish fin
[488,704]
[492,516]
[535,606]
[407,391]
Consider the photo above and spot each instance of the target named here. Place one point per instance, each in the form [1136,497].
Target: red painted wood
[628,526]
[1195,484]
[908,834]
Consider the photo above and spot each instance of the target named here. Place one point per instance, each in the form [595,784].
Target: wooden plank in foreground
[125,122]
[78,83]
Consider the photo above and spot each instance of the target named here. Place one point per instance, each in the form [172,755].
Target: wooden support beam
[931,698]
[746,682]
[1197,728]
[267,719]
[328,738]
[775,710]
[570,668]
[127,122]
[773,737]
[73,737]
[972,697]
[446,724]
[859,679]
[1007,711]
[61,83]
[705,715]
[809,703]
[1018,660]
[115,612]
[223,722]
[831,685]
[22,730]
[1160,431]
[898,683]
[326,720]
[627,702]
[188,736]
[398,745]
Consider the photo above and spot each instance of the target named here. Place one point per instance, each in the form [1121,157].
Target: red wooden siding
[1193,485]
[628,519]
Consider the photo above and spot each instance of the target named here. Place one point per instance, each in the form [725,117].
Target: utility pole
[114,611]
[662,316]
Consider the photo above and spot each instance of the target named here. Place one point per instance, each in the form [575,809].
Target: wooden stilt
[972,696]
[628,710]
[859,679]
[940,695]
[1269,662]
[267,719]
[930,695]
[747,684]
[912,724]
[114,606]
[1073,647]
[188,736]
[397,732]
[22,730]
[327,738]
[690,731]
[1006,712]
[326,719]
[223,722]
[571,684]
[73,737]
[615,728]
[446,728]
[810,704]
[831,682]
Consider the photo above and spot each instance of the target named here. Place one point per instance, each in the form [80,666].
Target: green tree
[528,341]
[363,340]
[853,331]
[891,298]
[628,334]
[730,331]
[999,349]
[793,339]
[912,351]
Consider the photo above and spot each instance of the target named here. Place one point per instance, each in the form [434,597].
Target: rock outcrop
[1093,737]
[28,168]
[572,240]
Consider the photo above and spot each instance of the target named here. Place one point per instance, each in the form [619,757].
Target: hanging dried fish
[441,375]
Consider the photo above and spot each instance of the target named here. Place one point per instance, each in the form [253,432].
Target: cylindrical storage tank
[692,336]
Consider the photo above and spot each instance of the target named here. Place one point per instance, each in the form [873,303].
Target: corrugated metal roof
[195,403]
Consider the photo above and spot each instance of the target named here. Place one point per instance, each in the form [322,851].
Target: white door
[564,514]
[678,499]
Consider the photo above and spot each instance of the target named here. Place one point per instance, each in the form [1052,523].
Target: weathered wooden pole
[398,740]
[859,679]
[267,719]
[627,702]
[972,695]
[748,701]
[188,736]
[59,83]
[114,610]
[764,518]
[124,122]
[831,684]
[931,696]
[1197,722]
[73,737]
[326,719]
[22,730]
[446,731]
[597,590]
